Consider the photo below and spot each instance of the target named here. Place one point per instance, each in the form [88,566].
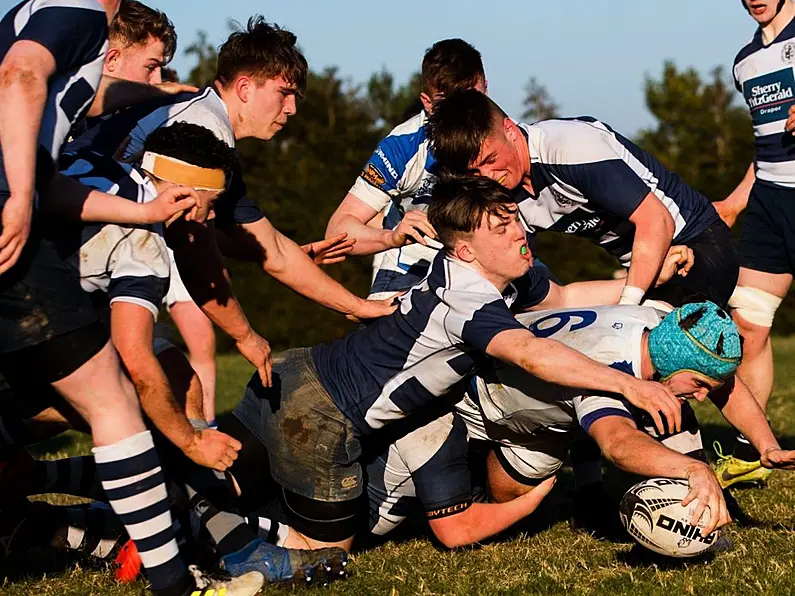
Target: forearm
[648,253]
[290,265]
[159,404]
[483,520]
[114,94]
[742,411]
[69,199]
[205,276]
[24,95]
[369,240]
[591,293]
[638,453]
[739,196]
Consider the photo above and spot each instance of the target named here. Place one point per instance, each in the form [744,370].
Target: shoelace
[719,451]
[201,580]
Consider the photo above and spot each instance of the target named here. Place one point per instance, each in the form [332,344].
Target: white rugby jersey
[403,362]
[126,263]
[508,405]
[764,75]
[399,177]
[588,180]
[75,33]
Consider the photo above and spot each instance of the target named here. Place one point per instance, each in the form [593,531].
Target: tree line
[300,176]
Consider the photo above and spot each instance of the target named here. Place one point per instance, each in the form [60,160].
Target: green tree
[538,103]
[206,54]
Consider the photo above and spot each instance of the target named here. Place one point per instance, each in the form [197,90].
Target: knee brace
[754,305]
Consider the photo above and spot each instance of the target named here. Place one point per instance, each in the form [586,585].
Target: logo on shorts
[349,482]
[788,53]
[373,176]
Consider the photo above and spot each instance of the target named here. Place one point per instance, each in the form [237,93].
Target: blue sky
[592,55]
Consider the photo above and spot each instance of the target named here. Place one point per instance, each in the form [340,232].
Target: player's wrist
[631,295]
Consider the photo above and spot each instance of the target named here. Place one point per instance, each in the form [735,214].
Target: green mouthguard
[524,250]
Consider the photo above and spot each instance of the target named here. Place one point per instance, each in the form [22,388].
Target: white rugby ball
[653,514]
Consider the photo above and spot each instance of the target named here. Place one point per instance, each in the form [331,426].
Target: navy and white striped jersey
[403,362]
[588,180]
[116,263]
[514,406]
[399,177]
[204,108]
[75,33]
[429,466]
[764,75]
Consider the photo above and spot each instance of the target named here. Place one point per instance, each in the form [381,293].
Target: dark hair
[192,144]
[262,51]
[451,64]
[458,204]
[458,126]
[135,23]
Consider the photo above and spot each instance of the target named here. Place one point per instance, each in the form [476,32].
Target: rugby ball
[653,514]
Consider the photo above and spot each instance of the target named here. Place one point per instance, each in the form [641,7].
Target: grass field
[542,557]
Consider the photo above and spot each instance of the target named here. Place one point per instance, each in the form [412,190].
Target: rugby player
[259,77]
[580,177]
[763,73]
[51,61]
[329,398]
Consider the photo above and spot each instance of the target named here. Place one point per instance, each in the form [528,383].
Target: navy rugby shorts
[767,240]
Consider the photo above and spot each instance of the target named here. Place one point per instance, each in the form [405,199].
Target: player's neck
[646,367]
[771,30]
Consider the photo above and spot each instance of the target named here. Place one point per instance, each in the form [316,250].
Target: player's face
[500,246]
[500,158]
[691,385]
[141,63]
[204,210]
[269,105]
[762,11]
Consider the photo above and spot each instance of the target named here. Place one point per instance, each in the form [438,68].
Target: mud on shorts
[767,240]
[312,447]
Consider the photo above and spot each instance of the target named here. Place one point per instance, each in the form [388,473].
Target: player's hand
[213,449]
[372,309]
[256,350]
[169,205]
[778,459]
[331,250]
[679,260]
[704,486]
[173,87]
[534,497]
[790,124]
[17,214]
[656,399]
[412,228]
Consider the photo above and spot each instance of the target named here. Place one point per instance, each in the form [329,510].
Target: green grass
[542,557]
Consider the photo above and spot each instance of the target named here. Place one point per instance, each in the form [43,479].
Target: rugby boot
[287,566]
[247,584]
[731,470]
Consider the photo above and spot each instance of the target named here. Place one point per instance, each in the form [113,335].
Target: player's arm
[114,94]
[24,74]
[69,199]
[132,328]
[204,274]
[287,262]
[483,520]
[731,207]
[741,410]
[554,362]
[654,231]
[634,451]
[351,218]
[608,291]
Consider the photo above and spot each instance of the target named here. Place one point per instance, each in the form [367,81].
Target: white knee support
[754,305]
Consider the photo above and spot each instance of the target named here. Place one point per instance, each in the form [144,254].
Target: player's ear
[427,102]
[112,60]
[463,251]
[243,88]
[510,130]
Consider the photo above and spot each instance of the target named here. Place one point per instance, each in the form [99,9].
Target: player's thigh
[777,284]
[513,471]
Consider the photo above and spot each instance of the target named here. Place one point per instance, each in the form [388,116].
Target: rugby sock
[134,484]
[72,476]
[269,530]
[91,529]
[229,531]
[744,450]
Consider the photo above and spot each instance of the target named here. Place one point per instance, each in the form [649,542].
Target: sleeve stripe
[588,419]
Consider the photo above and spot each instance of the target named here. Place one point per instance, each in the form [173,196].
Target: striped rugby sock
[75,476]
[135,488]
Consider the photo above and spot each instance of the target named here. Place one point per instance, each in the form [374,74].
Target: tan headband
[183,173]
